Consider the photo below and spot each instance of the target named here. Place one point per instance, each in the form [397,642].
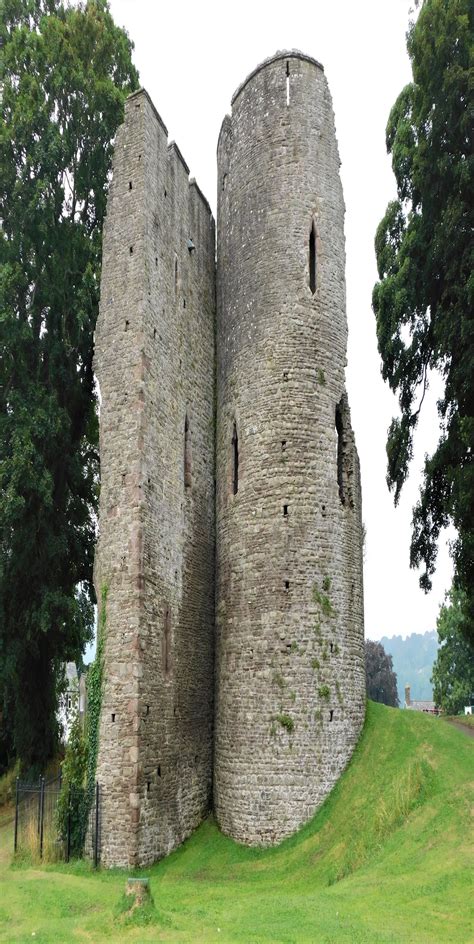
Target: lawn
[387,860]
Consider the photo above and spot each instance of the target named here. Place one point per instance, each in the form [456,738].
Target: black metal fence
[45,831]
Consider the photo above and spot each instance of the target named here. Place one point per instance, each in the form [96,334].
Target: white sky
[191,57]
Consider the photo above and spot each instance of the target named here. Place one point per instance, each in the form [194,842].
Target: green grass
[385,861]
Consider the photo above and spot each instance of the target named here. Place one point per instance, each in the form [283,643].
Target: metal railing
[42,832]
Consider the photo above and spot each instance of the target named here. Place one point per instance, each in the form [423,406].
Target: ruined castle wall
[155,367]
[290,688]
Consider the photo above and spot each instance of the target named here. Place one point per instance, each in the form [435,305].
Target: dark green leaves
[423,301]
[66,73]
[453,671]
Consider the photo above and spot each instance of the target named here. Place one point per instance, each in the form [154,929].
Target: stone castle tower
[230,513]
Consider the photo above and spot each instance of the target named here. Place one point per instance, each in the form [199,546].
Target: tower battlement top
[174,152]
[142,93]
[280,54]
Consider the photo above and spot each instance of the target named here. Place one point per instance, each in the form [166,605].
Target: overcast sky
[191,57]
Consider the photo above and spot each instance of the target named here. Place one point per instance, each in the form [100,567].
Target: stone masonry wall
[155,357]
[290,688]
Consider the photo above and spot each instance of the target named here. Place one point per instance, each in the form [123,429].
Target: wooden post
[41,815]
[68,844]
[39,805]
[96,837]
[17,795]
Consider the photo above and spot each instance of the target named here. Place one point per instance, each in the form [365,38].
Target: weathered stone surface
[290,666]
[289,659]
[155,366]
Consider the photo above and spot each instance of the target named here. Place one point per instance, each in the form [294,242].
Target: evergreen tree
[380,679]
[424,300]
[66,73]
[453,671]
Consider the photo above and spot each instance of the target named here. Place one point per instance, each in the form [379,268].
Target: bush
[71,803]
[8,784]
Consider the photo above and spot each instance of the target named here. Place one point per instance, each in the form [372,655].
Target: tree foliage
[453,671]
[380,679]
[423,301]
[66,73]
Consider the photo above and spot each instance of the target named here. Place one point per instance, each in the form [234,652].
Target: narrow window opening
[184,303]
[113,716]
[156,262]
[123,478]
[139,157]
[312,259]
[187,455]
[331,646]
[126,325]
[285,511]
[131,250]
[175,274]
[148,786]
[224,181]
[283,445]
[287,84]
[287,584]
[166,193]
[147,709]
[158,770]
[154,333]
[235,461]
[340,453]
[331,714]
[130,185]
[167,642]
[285,375]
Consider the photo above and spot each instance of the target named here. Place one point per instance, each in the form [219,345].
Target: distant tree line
[413,658]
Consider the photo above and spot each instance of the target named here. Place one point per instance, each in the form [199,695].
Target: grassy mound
[385,861]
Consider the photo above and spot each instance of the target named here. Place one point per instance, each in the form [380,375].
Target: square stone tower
[155,368]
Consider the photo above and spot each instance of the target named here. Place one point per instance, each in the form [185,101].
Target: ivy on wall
[94,700]
[80,762]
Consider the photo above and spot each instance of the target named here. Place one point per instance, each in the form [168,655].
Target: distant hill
[413,659]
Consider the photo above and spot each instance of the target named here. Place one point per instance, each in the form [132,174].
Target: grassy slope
[386,861]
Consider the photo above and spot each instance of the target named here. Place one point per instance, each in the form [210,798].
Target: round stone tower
[290,660]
